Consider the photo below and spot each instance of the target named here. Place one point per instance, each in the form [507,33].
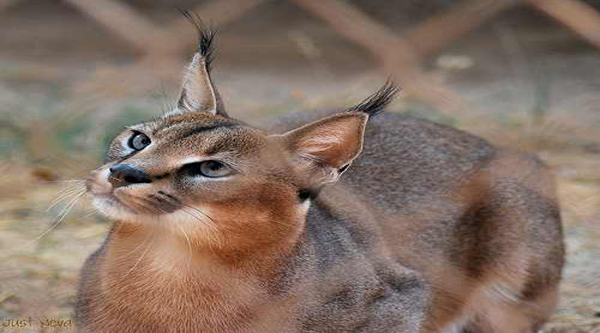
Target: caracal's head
[200,174]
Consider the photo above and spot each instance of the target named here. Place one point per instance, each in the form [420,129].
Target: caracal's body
[221,227]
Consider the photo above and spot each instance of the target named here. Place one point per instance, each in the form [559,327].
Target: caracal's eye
[138,141]
[211,169]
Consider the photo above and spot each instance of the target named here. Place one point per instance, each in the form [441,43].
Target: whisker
[195,217]
[142,202]
[71,187]
[89,214]
[62,195]
[199,211]
[176,202]
[67,181]
[179,202]
[62,198]
[137,247]
[187,239]
[189,243]
[61,216]
[184,205]
[141,257]
[212,226]
[66,209]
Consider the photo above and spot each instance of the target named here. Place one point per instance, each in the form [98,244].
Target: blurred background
[73,73]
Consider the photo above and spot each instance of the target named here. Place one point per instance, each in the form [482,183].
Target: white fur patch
[188,160]
[304,207]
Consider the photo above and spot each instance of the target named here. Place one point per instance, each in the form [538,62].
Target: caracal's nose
[125,174]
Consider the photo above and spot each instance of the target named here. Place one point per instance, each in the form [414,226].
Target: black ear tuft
[375,103]
[205,36]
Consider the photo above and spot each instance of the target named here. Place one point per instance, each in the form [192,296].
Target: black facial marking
[164,175]
[166,206]
[342,169]
[169,196]
[305,193]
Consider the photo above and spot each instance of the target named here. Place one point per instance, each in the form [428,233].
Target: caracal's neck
[135,250]
[150,274]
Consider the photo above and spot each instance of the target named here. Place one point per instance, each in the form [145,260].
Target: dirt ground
[529,83]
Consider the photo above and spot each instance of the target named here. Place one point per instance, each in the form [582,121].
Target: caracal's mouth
[111,206]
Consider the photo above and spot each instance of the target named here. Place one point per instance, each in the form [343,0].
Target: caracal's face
[199,174]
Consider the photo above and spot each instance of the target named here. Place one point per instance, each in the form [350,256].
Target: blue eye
[138,141]
[210,169]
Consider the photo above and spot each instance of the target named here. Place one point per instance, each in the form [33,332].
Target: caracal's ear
[198,93]
[325,148]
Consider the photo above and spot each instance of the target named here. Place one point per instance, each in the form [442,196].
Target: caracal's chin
[111,207]
[182,221]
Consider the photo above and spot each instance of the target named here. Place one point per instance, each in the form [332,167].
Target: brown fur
[430,229]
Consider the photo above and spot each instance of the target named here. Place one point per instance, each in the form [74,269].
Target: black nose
[125,174]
